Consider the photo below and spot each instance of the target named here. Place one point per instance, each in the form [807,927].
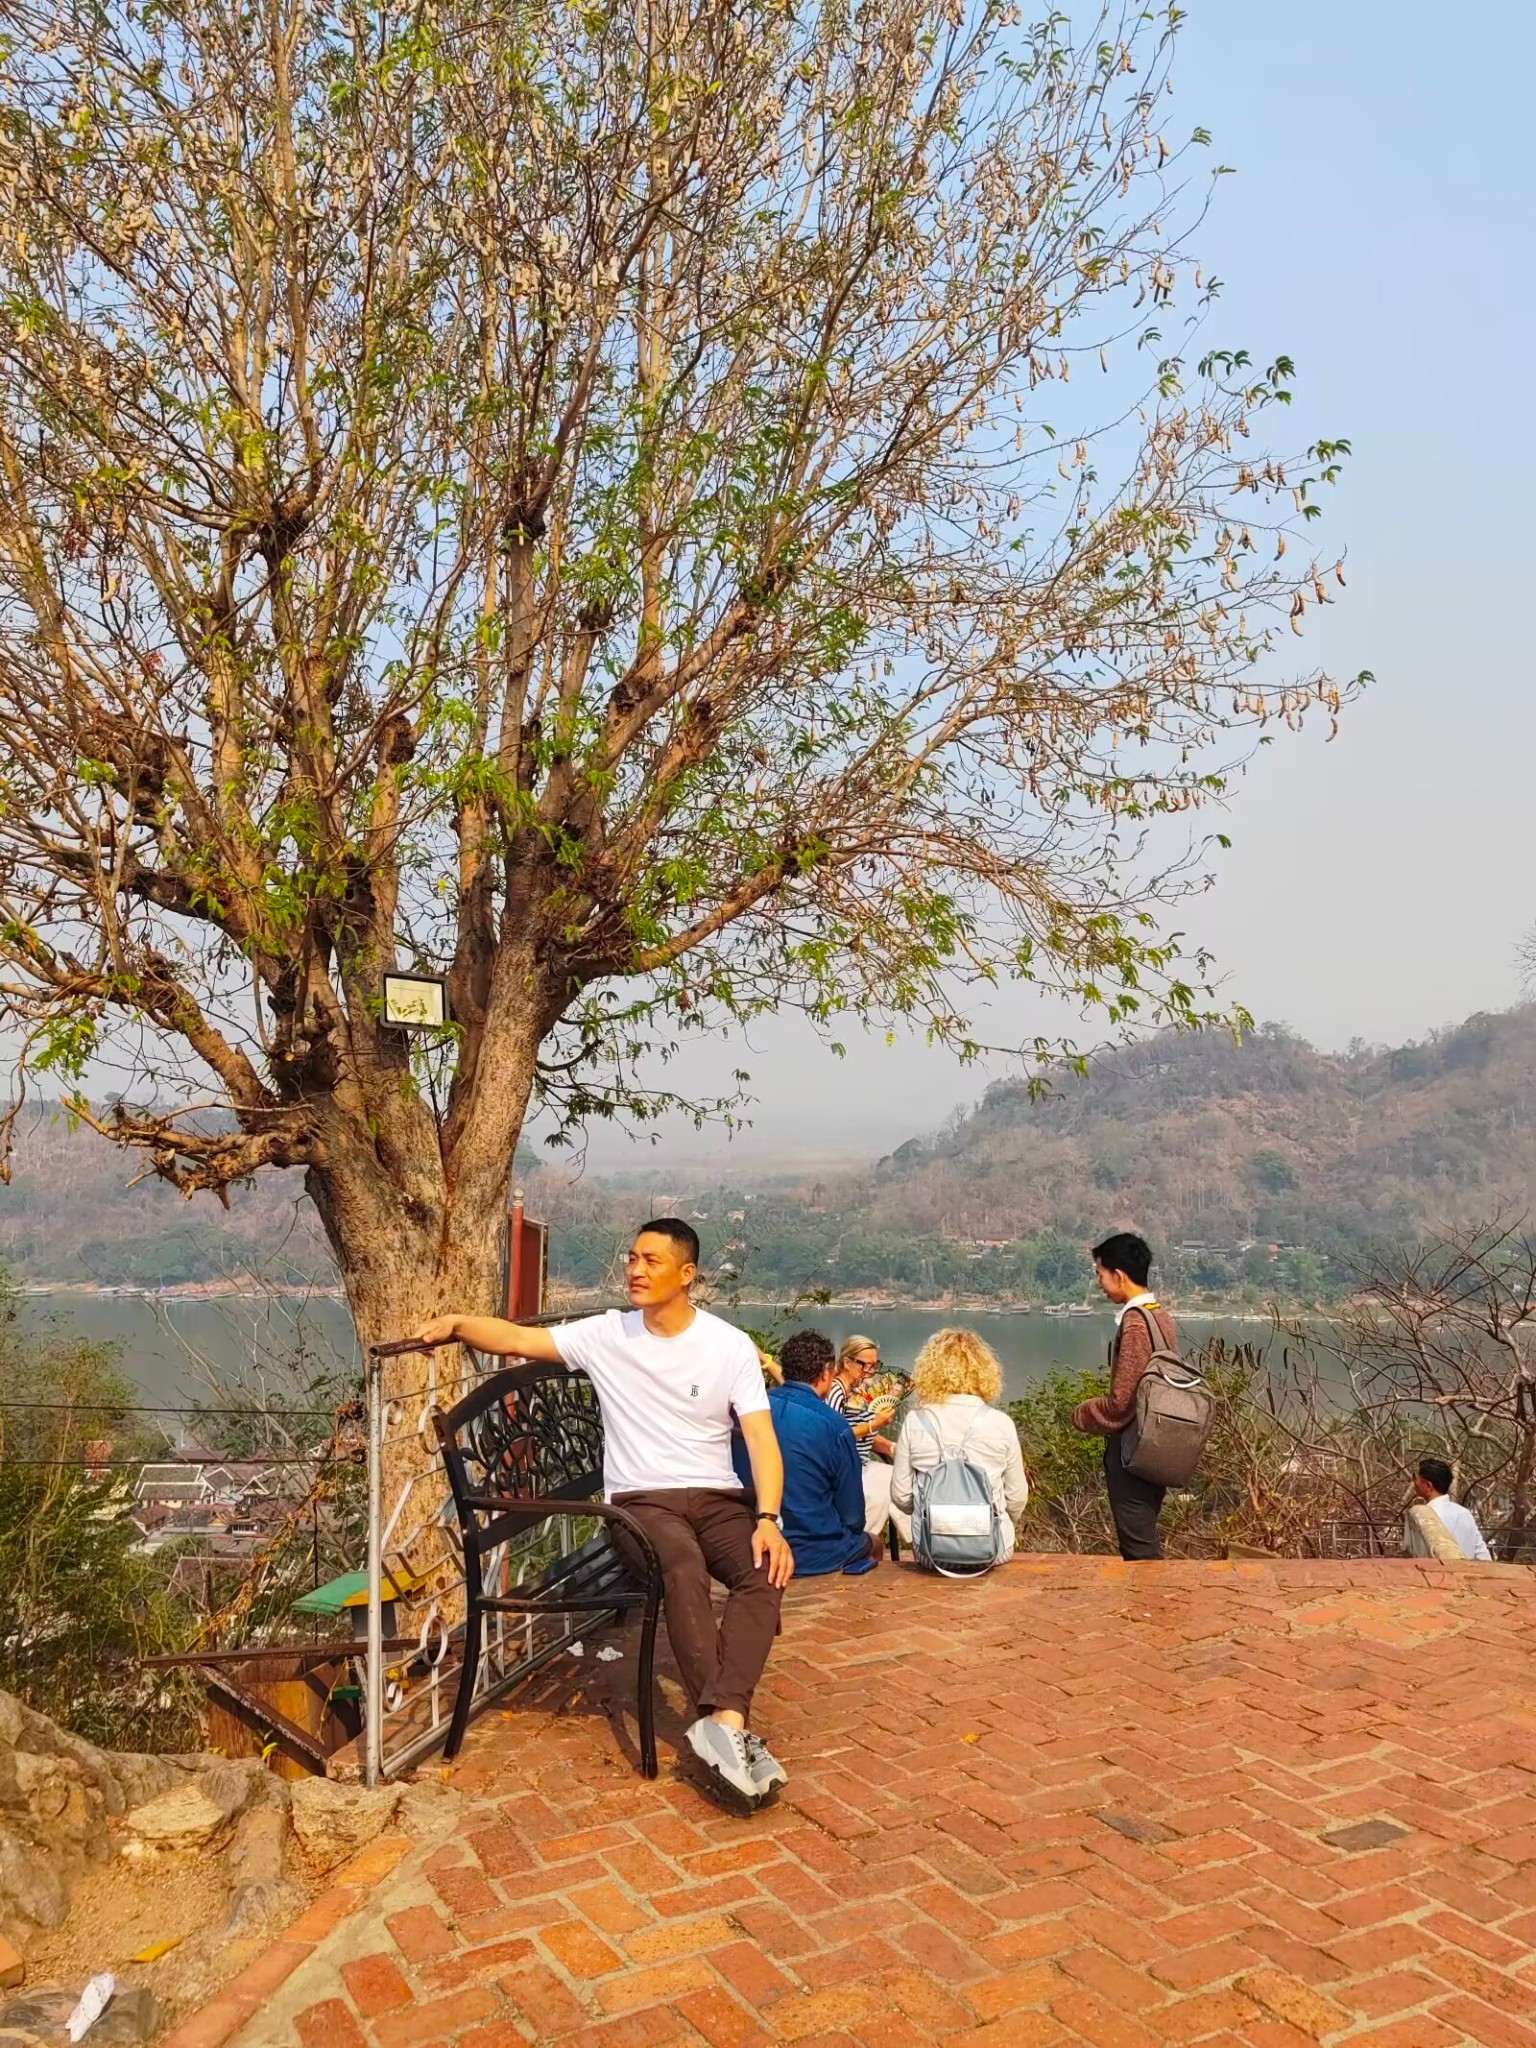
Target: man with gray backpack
[1158,1412]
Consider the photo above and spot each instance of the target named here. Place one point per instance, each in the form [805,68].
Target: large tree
[603,500]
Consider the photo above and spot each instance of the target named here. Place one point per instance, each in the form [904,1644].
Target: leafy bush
[1290,1467]
[79,1606]
[1067,1509]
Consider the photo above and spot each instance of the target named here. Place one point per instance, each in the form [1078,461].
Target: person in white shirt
[957,1380]
[671,1379]
[1433,1485]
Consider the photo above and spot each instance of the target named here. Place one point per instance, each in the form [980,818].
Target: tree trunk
[416,1216]
[399,1267]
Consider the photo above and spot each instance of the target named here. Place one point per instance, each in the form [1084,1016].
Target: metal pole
[373,1769]
[515,1260]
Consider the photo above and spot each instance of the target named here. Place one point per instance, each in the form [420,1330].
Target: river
[178,1349]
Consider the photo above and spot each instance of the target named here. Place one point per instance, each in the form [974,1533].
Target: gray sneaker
[768,1774]
[723,1753]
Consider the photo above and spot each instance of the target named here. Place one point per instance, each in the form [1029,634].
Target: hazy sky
[1378,230]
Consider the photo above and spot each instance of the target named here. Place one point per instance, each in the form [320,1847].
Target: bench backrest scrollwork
[526,1436]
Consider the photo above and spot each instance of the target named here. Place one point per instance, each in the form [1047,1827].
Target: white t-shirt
[667,1401]
[1462,1524]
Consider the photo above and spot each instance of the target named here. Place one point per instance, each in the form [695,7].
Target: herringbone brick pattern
[1268,1804]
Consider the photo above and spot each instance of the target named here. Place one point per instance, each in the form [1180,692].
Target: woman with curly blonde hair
[958,1381]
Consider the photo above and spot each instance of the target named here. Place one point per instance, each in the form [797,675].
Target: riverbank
[1236,1308]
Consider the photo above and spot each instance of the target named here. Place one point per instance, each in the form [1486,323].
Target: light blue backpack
[956,1527]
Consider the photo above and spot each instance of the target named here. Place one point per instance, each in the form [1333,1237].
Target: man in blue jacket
[823,1506]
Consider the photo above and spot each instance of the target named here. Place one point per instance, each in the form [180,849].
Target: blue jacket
[823,1487]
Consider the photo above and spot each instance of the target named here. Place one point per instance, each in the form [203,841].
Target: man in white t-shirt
[1433,1485]
[670,1379]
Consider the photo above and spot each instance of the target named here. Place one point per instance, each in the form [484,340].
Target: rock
[334,1821]
[231,1782]
[132,2019]
[58,1792]
[255,1852]
[143,1778]
[12,1968]
[259,1894]
[32,1888]
[264,1908]
[50,1800]
[184,1819]
[234,1783]
[22,1729]
[38,2017]
[429,1810]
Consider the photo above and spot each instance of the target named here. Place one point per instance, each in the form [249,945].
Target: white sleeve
[1015,1481]
[749,1389]
[1482,1554]
[580,1344]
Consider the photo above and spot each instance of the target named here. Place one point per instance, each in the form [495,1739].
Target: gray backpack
[1175,1411]
[956,1527]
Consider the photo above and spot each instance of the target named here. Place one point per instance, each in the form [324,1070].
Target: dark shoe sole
[719,1790]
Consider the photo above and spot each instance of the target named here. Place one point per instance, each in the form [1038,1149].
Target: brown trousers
[700,1535]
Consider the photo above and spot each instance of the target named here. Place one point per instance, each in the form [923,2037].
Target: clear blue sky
[1379,230]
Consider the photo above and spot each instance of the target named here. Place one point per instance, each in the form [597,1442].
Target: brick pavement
[1259,1803]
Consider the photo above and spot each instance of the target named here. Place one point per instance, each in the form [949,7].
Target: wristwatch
[777,1521]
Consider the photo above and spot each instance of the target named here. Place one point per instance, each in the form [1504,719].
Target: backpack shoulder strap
[976,1420]
[1160,1345]
[922,1415]
[1154,1327]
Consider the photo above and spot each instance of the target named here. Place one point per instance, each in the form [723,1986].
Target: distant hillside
[1200,1140]
[1261,1167]
[71,1214]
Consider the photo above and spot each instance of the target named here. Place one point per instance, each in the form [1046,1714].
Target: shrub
[79,1605]
[1067,1509]
[1290,1467]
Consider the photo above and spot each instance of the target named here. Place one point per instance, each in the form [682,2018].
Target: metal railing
[414,1548]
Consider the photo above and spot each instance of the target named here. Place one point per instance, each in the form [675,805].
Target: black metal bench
[525,1448]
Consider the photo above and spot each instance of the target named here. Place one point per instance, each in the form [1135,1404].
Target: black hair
[1125,1253]
[806,1356]
[682,1234]
[1437,1472]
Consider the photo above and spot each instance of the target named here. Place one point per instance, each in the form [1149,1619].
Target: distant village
[221,1509]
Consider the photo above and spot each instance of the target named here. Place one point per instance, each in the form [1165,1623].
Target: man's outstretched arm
[493,1334]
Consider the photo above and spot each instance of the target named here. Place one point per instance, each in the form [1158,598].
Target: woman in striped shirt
[859,1357]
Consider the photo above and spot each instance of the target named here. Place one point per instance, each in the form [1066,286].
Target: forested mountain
[1216,1145]
[1263,1165]
[73,1212]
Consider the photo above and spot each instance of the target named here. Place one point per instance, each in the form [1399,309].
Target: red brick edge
[243,1996]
